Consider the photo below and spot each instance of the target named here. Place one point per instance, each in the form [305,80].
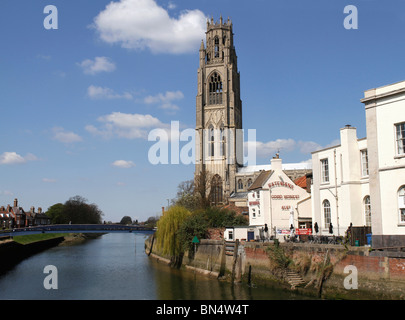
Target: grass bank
[37,237]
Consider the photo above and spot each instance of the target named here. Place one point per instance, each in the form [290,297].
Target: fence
[359,234]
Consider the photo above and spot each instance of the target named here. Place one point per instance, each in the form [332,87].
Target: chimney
[39,210]
[163,211]
[15,202]
[276,163]
[32,209]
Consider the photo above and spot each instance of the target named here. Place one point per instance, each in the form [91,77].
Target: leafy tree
[76,210]
[194,225]
[55,212]
[167,238]
[152,221]
[221,217]
[126,220]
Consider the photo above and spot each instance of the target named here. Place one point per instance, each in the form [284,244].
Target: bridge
[77,228]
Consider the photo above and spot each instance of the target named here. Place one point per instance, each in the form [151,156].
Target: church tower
[219,142]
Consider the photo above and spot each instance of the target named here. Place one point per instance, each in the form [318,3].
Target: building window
[253,213]
[367,210]
[216,190]
[216,47]
[258,194]
[401,204]
[215,89]
[211,142]
[400,138]
[222,141]
[325,170]
[326,212]
[249,183]
[230,235]
[240,184]
[364,163]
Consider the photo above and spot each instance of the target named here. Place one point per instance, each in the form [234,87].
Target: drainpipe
[336,194]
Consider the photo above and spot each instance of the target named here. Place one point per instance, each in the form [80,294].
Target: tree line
[76,210]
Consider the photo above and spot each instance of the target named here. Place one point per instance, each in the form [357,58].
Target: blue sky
[77,102]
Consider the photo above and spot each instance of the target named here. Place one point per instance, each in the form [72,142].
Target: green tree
[167,237]
[76,210]
[55,212]
[194,225]
[126,220]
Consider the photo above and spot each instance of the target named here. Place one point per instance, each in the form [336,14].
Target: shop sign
[275,184]
[303,231]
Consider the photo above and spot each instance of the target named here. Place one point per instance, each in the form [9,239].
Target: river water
[115,266]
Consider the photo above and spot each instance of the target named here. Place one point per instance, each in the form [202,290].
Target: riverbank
[321,271]
[13,251]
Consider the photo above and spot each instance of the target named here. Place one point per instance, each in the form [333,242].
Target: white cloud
[123,164]
[266,149]
[47,180]
[99,64]
[270,148]
[125,125]
[165,100]
[140,24]
[6,193]
[95,92]
[15,158]
[59,134]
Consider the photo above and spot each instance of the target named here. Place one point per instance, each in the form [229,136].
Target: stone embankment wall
[12,253]
[323,268]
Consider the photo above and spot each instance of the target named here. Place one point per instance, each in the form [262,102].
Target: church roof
[285,166]
[261,179]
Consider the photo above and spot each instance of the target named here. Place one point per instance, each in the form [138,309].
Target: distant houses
[16,217]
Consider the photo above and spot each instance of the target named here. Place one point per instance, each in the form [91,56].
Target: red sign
[303,231]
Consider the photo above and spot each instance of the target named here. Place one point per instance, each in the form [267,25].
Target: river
[115,266]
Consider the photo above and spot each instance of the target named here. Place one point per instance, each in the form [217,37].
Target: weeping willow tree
[167,237]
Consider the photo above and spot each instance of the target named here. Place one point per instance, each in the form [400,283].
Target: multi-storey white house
[385,120]
[340,189]
[362,181]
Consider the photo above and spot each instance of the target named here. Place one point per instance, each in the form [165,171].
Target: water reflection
[115,266]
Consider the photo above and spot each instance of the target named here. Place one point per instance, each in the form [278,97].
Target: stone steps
[294,279]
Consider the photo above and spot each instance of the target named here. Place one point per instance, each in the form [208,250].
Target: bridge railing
[78,228]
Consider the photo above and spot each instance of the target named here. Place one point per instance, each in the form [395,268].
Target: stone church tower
[219,143]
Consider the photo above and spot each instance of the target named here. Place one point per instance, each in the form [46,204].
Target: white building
[275,203]
[385,120]
[362,181]
[340,190]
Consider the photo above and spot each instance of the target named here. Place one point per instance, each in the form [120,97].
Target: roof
[285,166]
[261,179]
[301,182]
[238,195]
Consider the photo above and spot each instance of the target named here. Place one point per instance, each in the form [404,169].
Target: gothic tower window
[216,190]
[216,47]
[215,89]
[211,142]
[222,141]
